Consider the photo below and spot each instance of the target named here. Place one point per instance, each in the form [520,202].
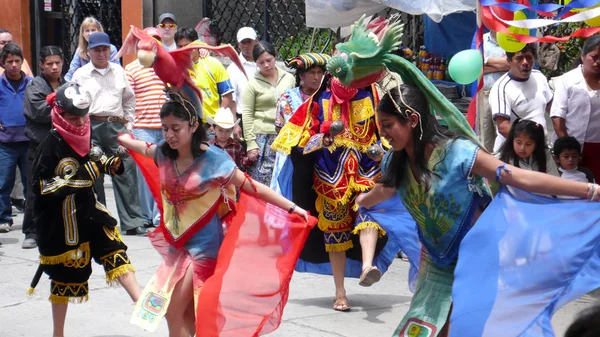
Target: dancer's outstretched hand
[301,212]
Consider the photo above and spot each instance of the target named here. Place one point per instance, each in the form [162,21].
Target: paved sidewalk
[376,310]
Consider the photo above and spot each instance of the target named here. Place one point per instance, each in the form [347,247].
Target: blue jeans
[149,209]
[11,155]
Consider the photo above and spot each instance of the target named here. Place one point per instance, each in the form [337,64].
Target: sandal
[341,304]
[369,276]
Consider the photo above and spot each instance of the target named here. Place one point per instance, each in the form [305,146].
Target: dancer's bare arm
[265,193]
[486,166]
[138,146]
[378,194]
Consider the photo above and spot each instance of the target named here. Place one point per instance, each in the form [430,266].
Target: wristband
[292,208]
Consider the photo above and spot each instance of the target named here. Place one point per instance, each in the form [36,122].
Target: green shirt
[260,100]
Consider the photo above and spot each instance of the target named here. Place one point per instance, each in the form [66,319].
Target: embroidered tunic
[344,170]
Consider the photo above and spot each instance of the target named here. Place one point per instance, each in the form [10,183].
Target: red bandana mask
[341,95]
[78,137]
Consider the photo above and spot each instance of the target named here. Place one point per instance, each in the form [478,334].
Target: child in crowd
[223,124]
[525,147]
[567,154]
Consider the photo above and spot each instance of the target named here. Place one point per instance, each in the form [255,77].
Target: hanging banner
[334,13]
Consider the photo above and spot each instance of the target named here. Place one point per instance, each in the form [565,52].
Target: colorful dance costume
[338,174]
[72,226]
[444,214]
[194,201]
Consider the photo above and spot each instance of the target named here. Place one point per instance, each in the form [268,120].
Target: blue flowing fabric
[525,258]
[401,228]
[402,233]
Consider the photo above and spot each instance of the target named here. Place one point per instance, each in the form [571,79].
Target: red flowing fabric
[248,291]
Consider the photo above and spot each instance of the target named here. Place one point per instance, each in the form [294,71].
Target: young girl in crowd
[525,148]
[439,177]
[197,183]
[89,26]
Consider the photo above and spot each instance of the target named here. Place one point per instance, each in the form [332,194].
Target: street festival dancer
[438,175]
[72,226]
[195,184]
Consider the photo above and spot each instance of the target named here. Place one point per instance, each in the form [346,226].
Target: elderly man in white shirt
[246,38]
[112,108]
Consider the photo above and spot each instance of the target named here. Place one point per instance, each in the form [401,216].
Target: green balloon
[466,66]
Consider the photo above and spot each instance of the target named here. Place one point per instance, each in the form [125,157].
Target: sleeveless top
[195,196]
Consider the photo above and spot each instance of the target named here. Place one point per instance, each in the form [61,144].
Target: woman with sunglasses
[89,26]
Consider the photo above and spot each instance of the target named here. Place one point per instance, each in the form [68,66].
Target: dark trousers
[104,134]
[28,225]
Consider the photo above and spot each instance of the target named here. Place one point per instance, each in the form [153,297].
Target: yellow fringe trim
[353,187]
[83,252]
[30,291]
[368,224]
[347,143]
[113,275]
[55,299]
[288,137]
[339,247]
[304,139]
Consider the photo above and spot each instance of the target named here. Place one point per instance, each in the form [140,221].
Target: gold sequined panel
[70,220]
[66,168]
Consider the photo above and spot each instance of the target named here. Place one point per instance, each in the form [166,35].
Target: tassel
[339,247]
[368,224]
[30,291]
[113,275]
[55,299]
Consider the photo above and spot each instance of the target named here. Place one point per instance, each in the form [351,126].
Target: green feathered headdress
[364,58]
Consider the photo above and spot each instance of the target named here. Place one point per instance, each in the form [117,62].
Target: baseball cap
[165,16]
[152,31]
[98,39]
[246,33]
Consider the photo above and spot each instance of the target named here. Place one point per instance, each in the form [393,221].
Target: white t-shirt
[512,98]
[239,81]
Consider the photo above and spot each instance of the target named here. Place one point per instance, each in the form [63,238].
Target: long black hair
[532,130]
[262,47]
[183,110]
[433,133]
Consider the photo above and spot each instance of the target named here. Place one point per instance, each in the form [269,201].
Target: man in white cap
[246,38]
[167,26]
[224,124]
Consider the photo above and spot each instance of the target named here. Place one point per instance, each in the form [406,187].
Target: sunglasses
[167,25]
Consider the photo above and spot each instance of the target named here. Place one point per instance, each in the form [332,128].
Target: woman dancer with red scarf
[72,225]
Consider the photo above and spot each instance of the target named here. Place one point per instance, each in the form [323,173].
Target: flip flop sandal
[369,277]
[341,304]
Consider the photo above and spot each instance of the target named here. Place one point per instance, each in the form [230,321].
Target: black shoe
[139,231]
[19,204]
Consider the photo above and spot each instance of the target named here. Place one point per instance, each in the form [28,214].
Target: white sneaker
[4,227]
